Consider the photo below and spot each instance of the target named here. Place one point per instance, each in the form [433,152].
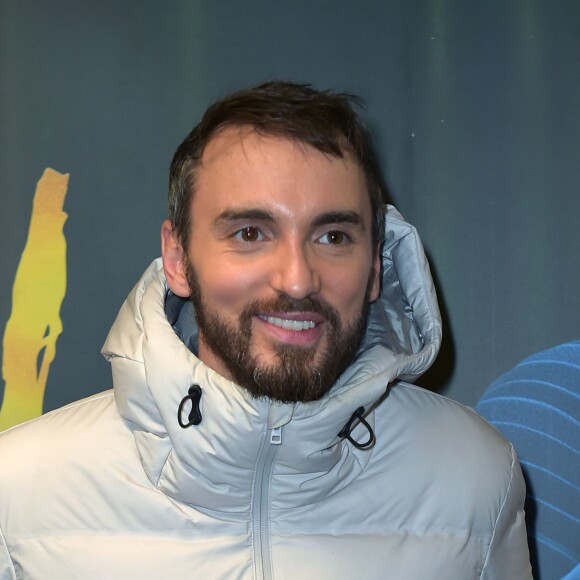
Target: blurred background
[475,112]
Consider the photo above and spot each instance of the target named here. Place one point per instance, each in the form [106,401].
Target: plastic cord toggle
[194,417]
[346,431]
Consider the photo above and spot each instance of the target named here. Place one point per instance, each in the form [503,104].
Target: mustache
[286,304]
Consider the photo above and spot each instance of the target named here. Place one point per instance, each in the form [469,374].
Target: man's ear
[173,258]
[375,286]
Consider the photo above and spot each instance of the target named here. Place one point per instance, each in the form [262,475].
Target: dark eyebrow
[244,214]
[339,217]
[331,217]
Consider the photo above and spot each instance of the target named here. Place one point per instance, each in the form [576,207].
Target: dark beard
[294,377]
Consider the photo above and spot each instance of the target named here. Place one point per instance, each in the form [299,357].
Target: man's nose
[295,273]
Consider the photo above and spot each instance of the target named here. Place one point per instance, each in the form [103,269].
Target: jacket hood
[212,465]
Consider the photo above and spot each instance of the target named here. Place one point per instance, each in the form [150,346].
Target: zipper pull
[276,436]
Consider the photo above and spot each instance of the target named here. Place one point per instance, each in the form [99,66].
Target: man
[258,427]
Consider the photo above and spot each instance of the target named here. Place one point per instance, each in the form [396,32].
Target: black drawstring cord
[194,416]
[358,415]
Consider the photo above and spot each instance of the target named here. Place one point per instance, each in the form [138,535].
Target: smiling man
[259,425]
[280,263]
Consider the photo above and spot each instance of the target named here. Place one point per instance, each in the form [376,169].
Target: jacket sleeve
[508,555]
[7,571]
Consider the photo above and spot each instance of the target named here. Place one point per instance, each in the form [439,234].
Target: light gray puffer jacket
[112,487]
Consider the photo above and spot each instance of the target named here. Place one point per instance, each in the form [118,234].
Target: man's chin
[289,377]
[276,354]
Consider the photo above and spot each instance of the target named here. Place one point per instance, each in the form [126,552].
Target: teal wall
[474,107]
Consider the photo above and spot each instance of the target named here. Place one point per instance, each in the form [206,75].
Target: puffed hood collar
[212,465]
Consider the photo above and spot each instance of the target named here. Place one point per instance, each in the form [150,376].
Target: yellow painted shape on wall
[29,344]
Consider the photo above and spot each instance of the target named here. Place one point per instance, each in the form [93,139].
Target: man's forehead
[249,142]
[243,170]
[224,143]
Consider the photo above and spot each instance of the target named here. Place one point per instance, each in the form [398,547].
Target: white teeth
[290,324]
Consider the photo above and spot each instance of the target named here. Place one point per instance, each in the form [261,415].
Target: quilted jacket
[113,486]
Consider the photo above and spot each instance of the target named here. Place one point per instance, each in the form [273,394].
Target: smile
[287,324]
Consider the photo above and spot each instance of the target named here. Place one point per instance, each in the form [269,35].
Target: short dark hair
[324,120]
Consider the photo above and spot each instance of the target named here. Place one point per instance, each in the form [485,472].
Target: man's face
[281,263]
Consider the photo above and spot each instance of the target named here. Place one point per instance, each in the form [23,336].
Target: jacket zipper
[261,515]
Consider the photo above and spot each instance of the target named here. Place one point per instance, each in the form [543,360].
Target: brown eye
[249,234]
[334,238]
